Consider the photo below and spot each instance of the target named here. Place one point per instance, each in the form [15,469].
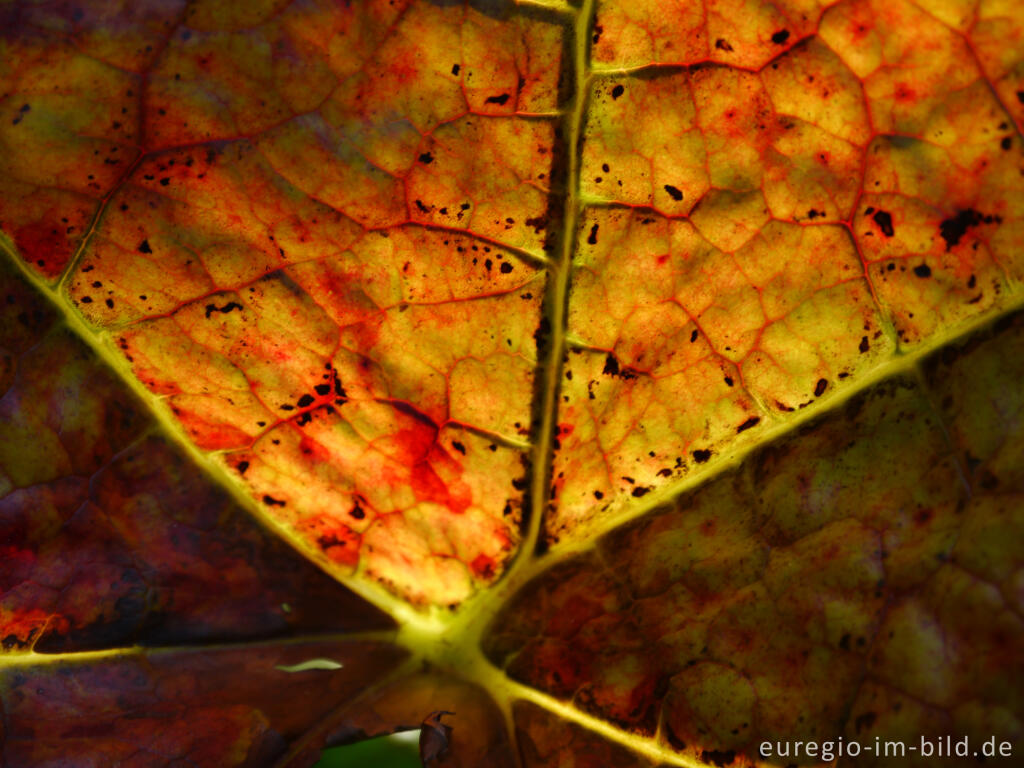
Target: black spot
[728,381]
[109,303]
[722,45]
[617,91]
[753,421]
[231,305]
[955,228]
[305,400]
[598,495]
[270,501]
[640,491]
[701,455]
[611,368]
[164,181]
[592,239]
[459,447]
[505,267]
[780,37]
[455,69]
[1006,143]
[426,158]
[322,389]
[339,391]
[673,192]
[500,100]
[330,540]
[144,247]
[694,336]
[357,511]
[86,299]
[820,387]
[884,222]
[864,346]
[923,270]
[242,466]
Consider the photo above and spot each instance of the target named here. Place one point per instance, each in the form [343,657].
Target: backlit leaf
[640,381]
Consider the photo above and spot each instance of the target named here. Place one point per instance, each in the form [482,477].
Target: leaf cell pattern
[640,381]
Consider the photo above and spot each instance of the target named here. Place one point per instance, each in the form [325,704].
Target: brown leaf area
[637,382]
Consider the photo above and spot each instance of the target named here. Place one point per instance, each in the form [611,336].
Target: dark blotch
[884,222]
[617,91]
[270,501]
[701,455]
[592,239]
[923,270]
[820,387]
[500,100]
[952,230]
[780,37]
[611,366]
[305,401]
[674,192]
[426,158]
[231,305]
[753,421]
[144,247]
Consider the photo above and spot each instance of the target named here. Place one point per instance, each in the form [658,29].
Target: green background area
[399,750]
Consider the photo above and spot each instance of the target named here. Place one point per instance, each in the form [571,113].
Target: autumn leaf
[640,381]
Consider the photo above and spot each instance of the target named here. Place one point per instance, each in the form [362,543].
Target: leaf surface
[639,381]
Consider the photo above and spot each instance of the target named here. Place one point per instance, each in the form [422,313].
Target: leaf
[640,380]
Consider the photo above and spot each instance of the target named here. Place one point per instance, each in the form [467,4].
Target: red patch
[210,436]
[483,567]
[44,245]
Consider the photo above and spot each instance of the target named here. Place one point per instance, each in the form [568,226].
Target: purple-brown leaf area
[592,384]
